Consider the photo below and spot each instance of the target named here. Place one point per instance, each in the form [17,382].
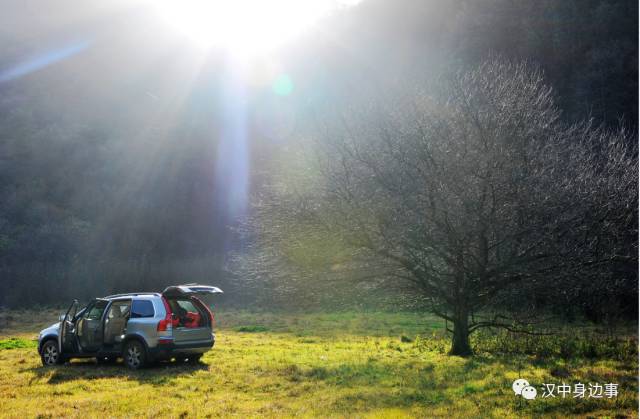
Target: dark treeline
[115,167]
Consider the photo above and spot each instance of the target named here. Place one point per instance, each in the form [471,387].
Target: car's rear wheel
[50,354]
[135,355]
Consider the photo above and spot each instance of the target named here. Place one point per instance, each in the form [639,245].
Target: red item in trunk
[192,320]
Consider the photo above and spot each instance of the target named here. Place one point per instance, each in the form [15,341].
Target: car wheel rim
[50,355]
[133,356]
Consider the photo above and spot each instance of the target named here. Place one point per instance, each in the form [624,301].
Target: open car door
[67,329]
[90,326]
[188,290]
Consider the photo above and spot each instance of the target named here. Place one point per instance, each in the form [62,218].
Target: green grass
[317,365]
[15,343]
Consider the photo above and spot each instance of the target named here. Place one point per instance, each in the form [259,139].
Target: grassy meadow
[386,365]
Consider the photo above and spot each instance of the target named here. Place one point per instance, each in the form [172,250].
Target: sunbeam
[42,60]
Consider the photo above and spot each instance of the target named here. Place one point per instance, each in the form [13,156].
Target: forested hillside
[116,168]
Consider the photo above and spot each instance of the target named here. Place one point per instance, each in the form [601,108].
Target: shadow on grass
[158,374]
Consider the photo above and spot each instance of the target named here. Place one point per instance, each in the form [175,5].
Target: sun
[244,27]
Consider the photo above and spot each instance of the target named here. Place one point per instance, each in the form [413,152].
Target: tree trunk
[460,343]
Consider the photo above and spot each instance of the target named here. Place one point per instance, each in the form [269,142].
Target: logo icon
[529,392]
[518,385]
[522,388]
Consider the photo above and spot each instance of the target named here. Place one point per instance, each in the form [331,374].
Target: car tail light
[166,324]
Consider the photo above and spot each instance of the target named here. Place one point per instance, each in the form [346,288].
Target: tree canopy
[463,190]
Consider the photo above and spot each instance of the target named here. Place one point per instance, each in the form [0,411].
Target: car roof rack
[133,294]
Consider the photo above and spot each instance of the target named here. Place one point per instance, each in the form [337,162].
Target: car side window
[141,308]
[119,309]
[95,313]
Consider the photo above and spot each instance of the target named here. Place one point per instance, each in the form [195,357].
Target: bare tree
[465,189]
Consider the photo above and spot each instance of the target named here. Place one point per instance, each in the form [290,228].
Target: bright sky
[245,27]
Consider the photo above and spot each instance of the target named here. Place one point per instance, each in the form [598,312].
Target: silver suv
[139,327]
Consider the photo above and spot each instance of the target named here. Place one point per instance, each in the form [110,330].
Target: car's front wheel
[50,354]
[135,355]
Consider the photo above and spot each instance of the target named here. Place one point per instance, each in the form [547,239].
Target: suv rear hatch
[190,290]
[192,320]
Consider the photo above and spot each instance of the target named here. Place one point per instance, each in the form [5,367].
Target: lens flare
[282,86]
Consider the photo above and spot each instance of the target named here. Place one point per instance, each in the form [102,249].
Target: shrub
[564,344]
